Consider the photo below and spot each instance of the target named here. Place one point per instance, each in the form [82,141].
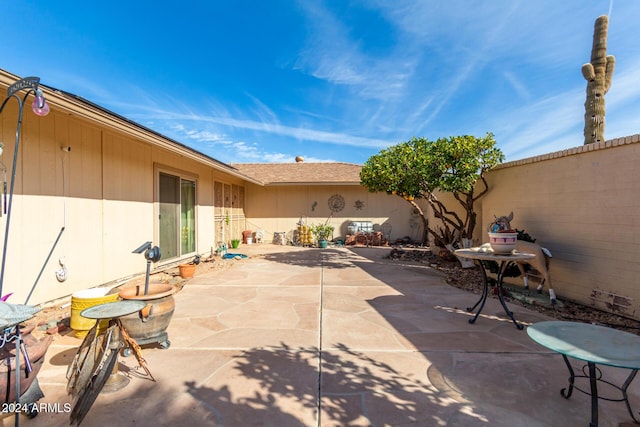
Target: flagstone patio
[335,337]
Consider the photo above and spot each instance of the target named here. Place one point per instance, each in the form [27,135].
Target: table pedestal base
[485,294]
[116,381]
[595,375]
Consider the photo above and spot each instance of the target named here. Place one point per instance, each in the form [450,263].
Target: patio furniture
[19,368]
[385,228]
[95,365]
[595,345]
[280,238]
[503,260]
[363,238]
[376,238]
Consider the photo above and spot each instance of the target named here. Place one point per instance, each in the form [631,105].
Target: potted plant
[187,270]
[322,233]
[235,243]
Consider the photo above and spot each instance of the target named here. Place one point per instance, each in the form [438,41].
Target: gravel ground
[470,279]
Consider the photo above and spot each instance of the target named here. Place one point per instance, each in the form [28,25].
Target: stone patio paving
[335,337]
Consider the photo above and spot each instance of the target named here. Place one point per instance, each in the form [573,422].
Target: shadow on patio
[353,340]
[417,315]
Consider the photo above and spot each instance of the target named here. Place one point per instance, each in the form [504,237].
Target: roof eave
[87,110]
[314,183]
[80,107]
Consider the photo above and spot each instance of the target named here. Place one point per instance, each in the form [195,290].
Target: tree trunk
[425,221]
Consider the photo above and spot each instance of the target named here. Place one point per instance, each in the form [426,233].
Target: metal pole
[18,349]
[13,175]
[146,278]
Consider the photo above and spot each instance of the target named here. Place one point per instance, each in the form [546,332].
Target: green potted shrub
[322,233]
[235,243]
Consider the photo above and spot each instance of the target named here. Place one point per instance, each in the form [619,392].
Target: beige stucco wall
[91,206]
[454,206]
[582,204]
[280,208]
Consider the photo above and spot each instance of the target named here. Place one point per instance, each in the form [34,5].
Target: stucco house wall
[93,203]
[90,207]
[280,208]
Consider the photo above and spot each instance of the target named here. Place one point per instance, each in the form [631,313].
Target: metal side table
[503,261]
[595,345]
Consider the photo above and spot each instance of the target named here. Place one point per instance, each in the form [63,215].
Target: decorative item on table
[501,238]
[503,242]
[527,244]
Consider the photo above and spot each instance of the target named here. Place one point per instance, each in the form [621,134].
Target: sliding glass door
[177,218]
[188,215]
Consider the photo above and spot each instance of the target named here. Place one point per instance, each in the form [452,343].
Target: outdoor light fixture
[151,254]
[41,108]
[39,105]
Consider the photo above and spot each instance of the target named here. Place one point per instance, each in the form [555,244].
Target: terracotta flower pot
[187,270]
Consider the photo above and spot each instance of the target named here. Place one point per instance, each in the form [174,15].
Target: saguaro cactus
[598,74]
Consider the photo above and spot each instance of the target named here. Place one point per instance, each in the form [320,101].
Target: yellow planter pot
[84,299]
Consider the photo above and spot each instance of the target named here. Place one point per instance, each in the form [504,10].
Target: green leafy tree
[416,169]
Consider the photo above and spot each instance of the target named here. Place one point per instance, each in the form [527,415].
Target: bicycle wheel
[90,370]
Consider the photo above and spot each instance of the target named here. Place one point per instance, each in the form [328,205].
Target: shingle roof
[302,173]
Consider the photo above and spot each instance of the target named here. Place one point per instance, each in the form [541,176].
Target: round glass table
[594,345]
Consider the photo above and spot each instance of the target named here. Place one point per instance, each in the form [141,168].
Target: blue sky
[264,81]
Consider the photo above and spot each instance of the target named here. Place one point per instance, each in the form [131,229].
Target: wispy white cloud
[520,88]
[332,55]
[508,66]
[556,122]
[236,151]
[201,135]
[622,100]
[329,55]
[263,112]
[543,126]
[624,86]
[191,121]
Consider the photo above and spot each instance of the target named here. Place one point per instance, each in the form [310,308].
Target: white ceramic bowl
[503,243]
